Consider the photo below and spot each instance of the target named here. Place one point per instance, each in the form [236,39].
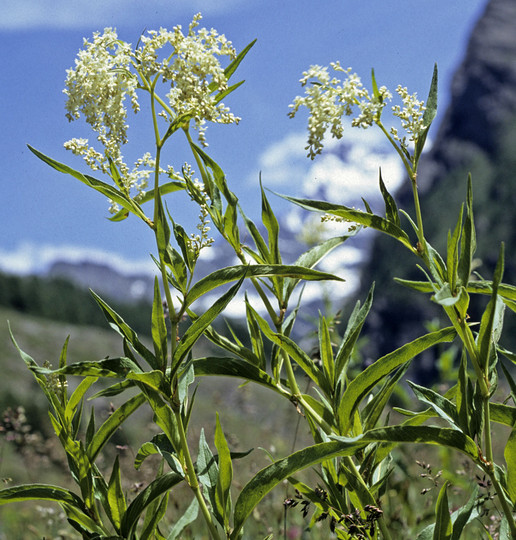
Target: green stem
[192,478]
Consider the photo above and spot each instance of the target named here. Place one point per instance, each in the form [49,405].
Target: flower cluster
[411,116]
[98,88]
[328,99]
[108,73]
[193,72]
[198,193]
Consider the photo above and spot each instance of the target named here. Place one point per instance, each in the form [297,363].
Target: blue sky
[45,213]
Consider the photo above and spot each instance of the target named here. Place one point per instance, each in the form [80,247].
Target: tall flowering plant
[182,78]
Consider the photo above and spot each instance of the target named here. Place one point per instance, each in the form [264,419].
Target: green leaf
[443,525]
[353,329]
[233,367]
[118,367]
[462,399]
[233,273]
[442,406]
[105,189]
[462,516]
[115,496]
[272,226]
[77,397]
[225,476]
[359,387]
[293,350]
[468,243]
[230,70]
[182,240]
[158,327]
[153,491]
[40,492]
[162,230]
[119,325]
[391,209]
[158,445]
[374,408]
[111,425]
[269,477]
[452,260]
[356,216]
[187,517]
[255,336]
[263,255]
[196,330]
[510,459]
[177,265]
[83,522]
[154,514]
[326,352]
[428,116]
[451,438]
[311,257]
[492,318]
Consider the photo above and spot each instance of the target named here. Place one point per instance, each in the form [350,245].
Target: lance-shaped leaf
[107,190]
[442,406]
[468,243]
[153,491]
[187,517]
[294,351]
[112,424]
[234,367]
[40,492]
[198,327]
[119,325]
[269,477]
[118,367]
[510,459]
[428,116]
[355,216]
[158,327]
[230,70]
[233,273]
[367,379]
[115,496]
[313,256]
[492,318]
[77,397]
[443,525]
[355,323]
[391,209]
[451,438]
[225,476]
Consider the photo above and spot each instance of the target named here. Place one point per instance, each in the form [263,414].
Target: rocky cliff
[477,135]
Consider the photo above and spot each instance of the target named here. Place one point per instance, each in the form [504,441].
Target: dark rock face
[477,135]
[483,94]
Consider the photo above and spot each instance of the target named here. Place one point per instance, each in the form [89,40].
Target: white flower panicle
[328,99]
[108,73]
[192,70]
[98,88]
[411,116]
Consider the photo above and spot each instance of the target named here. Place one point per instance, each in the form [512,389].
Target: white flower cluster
[108,72]
[98,88]
[193,72]
[411,116]
[199,194]
[329,99]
